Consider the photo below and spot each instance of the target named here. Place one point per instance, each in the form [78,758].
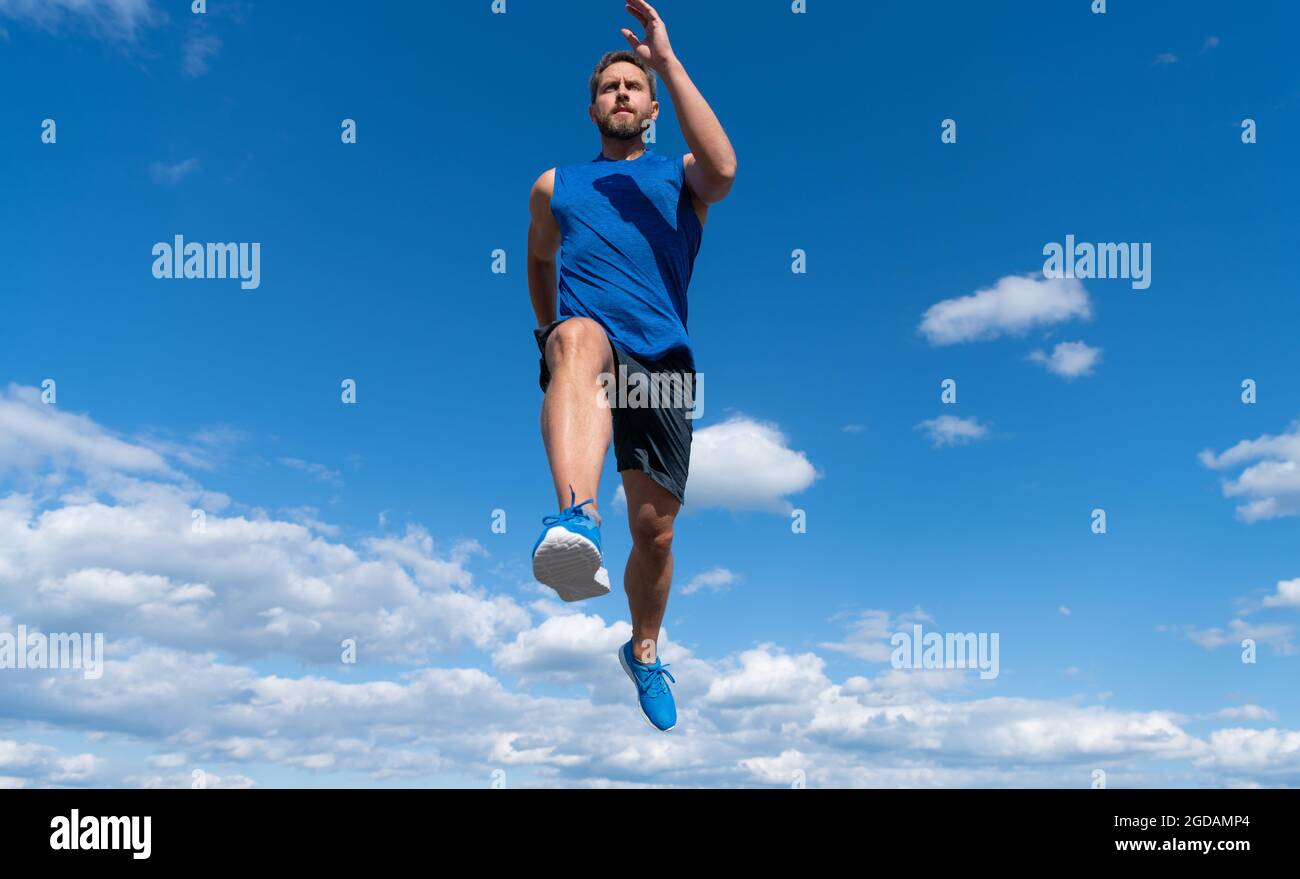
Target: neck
[619,150]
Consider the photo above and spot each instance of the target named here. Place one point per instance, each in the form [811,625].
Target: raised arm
[711,165]
[543,245]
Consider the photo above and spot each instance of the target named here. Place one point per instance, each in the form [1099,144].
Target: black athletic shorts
[653,438]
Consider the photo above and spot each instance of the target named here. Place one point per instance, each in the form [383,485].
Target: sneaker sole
[570,564]
[623,662]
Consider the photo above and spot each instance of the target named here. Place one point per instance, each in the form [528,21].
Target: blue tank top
[629,239]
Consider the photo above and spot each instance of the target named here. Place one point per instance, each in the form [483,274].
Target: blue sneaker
[567,556]
[656,699]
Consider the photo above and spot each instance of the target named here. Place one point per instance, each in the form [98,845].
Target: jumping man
[626,227]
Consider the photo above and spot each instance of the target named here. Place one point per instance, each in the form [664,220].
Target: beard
[620,126]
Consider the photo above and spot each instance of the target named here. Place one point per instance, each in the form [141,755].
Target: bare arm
[711,164]
[543,245]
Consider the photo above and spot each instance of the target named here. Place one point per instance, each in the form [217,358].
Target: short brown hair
[613,58]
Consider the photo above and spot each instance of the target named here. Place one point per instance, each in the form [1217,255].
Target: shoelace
[651,682]
[566,515]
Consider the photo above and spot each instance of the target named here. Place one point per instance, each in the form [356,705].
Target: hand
[655,49]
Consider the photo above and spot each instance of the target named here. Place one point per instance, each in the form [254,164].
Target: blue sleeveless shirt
[629,239]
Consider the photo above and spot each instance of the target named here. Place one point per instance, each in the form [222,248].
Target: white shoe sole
[570,564]
[622,660]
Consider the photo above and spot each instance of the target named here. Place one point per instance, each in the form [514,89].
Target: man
[627,227]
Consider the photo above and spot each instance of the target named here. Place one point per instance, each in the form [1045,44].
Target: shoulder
[539,199]
[545,184]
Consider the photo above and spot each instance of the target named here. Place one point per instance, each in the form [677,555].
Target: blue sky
[376,266]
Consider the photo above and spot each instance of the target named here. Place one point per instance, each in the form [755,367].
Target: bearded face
[623,105]
[623,123]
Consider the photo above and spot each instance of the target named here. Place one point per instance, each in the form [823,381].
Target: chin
[618,132]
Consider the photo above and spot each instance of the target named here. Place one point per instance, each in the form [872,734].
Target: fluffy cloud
[1275,635]
[1013,306]
[1287,595]
[1271,485]
[1266,751]
[743,464]
[90,547]
[714,579]
[869,632]
[1247,712]
[949,430]
[208,632]
[25,763]
[1069,359]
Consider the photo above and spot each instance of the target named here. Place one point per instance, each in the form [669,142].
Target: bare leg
[575,427]
[651,510]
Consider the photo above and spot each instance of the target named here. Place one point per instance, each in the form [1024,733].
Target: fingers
[646,9]
[637,13]
[631,38]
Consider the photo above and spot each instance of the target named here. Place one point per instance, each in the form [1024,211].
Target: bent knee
[578,341]
[653,534]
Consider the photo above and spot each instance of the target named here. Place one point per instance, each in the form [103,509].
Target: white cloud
[114,20]
[714,579]
[1166,58]
[767,676]
[1257,750]
[1069,359]
[34,435]
[949,430]
[1210,43]
[564,648]
[175,780]
[744,464]
[1013,306]
[1287,595]
[869,632]
[172,174]
[1272,484]
[310,517]
[1247,712]
[1277,636]
[92,546]
[783,769]
[27,763]
[207,633]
